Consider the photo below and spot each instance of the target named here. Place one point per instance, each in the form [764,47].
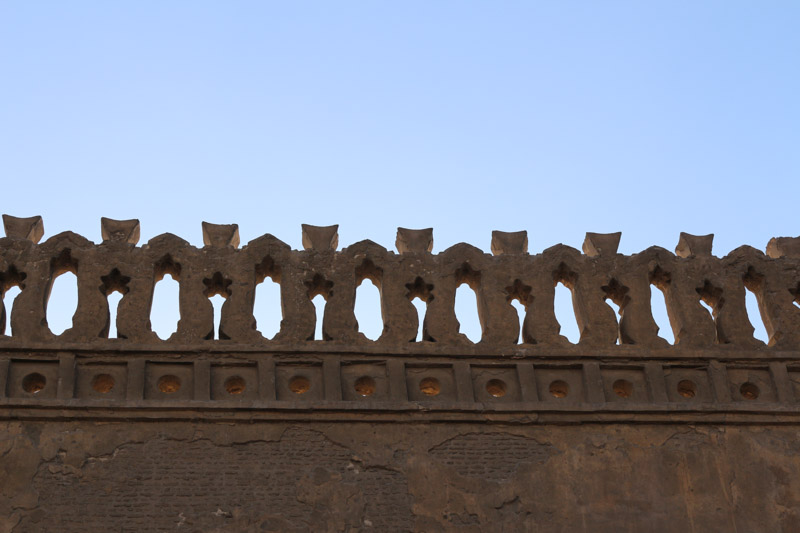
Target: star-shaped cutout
[217,284]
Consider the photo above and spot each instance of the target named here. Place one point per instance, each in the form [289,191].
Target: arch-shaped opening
[466,302]
[466,309]
[754,285]
[62,302]
[659,285]
[217,301]
[617,298]
[368,309]
[319,290]
[165,312]
[267,308]
[165,309]
[710,298]
[658,306]
[421,308]
[9,296]
[754,314]
[565,313]
[519,297]
[113,305]
[319,308]
[114,288]
[617,313]
[521,312]
[420,294]
[11,284]
[63,290]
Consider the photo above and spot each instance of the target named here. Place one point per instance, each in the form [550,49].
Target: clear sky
[559,118]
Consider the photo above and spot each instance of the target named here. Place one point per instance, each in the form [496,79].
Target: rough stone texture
[229,431]
[421,477]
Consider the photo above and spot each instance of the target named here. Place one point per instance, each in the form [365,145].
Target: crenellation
[414,240]
[221,235]
[505,243]
[320,238]
[120,231]
[783,247]
[601,244]
[30,228]
[694,245]
[598,275]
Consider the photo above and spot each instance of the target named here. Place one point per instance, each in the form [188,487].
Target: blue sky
[648,118]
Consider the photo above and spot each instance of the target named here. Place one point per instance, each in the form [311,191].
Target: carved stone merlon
[31,228]
[783,247]
[504,242]
[414,240]
[320,238]
[694,245]
[119,230]
[601,243]
[221,235]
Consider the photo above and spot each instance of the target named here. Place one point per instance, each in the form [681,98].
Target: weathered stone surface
[126,231]
[783,246]
[229,431]
[222,268]
[320,238]
[80,476]
[221,235]
[31,228]
[601,243]
[504,242]
[691,245]
[414,240]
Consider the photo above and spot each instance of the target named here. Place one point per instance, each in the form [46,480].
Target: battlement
[714,364]
[687,277]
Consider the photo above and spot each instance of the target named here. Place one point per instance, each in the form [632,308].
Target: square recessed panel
[624,385]
[687,384]
[430,383]
[101,381]
[364,381]
[751,385]
[169,381]
[492,384]
[234,382]
[299,382]
[32,379]
[559,385]
[794,379]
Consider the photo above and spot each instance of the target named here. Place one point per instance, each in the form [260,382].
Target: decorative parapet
[714,366]
[688,277]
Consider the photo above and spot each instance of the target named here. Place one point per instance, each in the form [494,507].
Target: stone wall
[229,431]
